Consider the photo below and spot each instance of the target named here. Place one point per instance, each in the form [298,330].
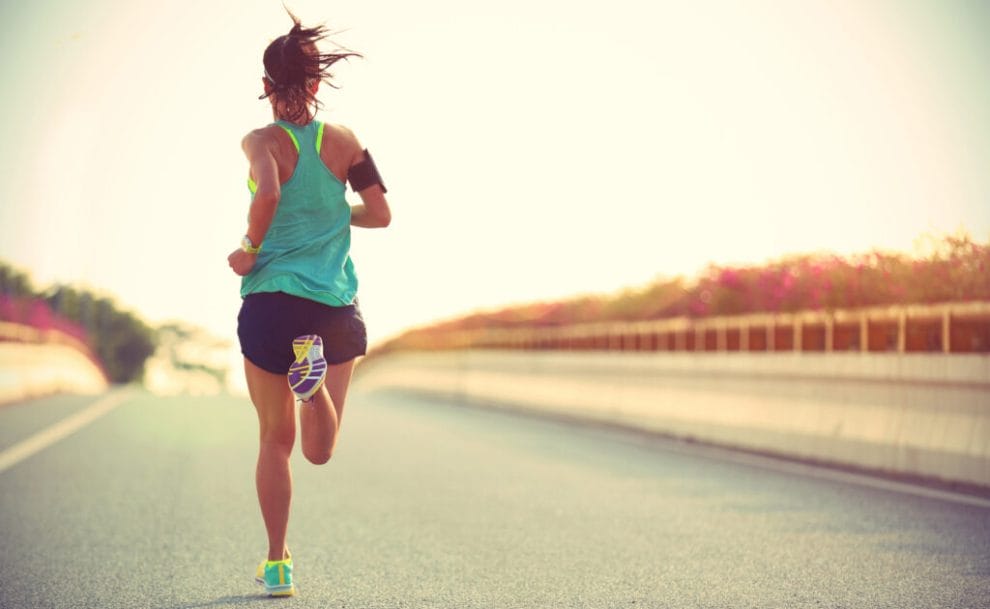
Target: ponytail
[292,63]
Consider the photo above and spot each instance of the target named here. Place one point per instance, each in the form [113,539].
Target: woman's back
[306,249]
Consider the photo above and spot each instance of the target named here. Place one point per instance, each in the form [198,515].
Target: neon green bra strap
[292,135]
[253,186]
[295,142]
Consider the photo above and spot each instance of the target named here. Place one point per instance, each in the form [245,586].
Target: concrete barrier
[32,370]
[915,414]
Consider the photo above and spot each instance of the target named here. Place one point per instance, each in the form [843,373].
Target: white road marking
[64,428]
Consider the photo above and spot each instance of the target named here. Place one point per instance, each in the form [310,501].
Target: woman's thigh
[274,402]
[337,382]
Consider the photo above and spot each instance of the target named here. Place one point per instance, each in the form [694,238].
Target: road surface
[430,504]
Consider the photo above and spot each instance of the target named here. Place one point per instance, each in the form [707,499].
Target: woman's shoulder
[263,137]
[343,138]
[341,133]
[267,132]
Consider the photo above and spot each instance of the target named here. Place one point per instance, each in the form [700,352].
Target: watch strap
[249,247]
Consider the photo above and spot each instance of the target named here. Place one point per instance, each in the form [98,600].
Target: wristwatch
[249,247]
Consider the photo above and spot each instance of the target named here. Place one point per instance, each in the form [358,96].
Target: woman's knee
[318,456]
[280,436]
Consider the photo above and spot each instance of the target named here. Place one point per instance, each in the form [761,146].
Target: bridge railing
[955,327]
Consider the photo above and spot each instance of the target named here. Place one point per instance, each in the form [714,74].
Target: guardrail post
[902,331]
[864,333]
[946,330]
[829,333]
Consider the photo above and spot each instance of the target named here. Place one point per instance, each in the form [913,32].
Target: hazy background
[532,150]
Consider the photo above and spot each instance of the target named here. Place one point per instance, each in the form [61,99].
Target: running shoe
[276,577]
[307,373]
[259,576]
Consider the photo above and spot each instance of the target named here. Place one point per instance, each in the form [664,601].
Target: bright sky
[532,149]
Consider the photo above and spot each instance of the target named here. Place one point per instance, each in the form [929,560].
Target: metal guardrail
[955,327]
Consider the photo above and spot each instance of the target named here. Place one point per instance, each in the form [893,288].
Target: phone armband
[364,174]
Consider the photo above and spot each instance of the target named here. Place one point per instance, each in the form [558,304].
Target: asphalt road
[429,504]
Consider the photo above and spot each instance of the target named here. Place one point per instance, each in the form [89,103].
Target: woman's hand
[241,261]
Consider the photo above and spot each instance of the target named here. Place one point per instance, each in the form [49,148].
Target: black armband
[364,174]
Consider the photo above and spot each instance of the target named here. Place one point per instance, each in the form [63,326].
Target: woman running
[299,326]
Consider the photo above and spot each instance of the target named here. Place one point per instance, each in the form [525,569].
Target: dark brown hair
[292,61]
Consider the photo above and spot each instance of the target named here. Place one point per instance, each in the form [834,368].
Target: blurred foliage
[119,339]
[14,283]
[954,268]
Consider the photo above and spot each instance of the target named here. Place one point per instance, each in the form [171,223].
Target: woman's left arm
[373,211]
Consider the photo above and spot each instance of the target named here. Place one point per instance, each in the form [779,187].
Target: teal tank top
[306,251]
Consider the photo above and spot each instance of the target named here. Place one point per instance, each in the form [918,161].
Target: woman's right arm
[264,172]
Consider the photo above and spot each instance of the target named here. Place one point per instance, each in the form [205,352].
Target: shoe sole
[281,590]
[287,590]
[307,375]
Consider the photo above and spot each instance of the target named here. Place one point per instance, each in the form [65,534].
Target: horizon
[922,249]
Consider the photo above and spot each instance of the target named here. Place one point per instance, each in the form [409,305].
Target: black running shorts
[269,321]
